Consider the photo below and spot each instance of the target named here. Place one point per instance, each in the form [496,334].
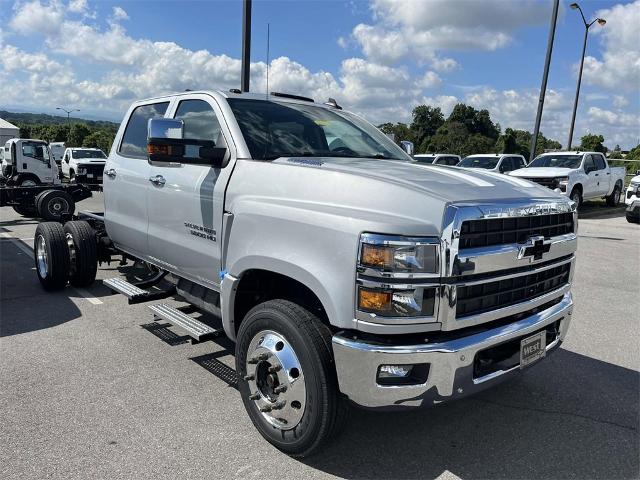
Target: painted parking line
[19,242]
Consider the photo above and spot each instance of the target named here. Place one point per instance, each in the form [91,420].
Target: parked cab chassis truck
[29,182]
[344,272]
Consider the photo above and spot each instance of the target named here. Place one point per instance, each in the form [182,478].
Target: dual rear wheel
[65,254]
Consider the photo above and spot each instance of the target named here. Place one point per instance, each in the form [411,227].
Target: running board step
[133,293]
[196,329]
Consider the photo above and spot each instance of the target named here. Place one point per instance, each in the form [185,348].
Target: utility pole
[246,46]
[601,22]
[545,76]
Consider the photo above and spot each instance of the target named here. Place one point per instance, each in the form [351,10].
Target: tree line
[467,131]
[74,132]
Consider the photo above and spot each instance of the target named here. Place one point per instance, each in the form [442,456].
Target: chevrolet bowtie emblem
[534,248]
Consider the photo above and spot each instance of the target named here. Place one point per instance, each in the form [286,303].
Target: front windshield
[425,159]
[560,161]
[479,162]
[88,154]
[278,129]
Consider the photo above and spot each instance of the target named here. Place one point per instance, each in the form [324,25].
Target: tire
[26,180]
[53,204]
[614,198]
[26,211]
[309,376]
[631,218]
[51,255]
[576,196]
[83,253]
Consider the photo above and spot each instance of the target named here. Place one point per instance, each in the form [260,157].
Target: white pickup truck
[84,165]
[580,175]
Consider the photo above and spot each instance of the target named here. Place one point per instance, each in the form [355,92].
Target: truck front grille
[498,231]
[492,295]
[545,182]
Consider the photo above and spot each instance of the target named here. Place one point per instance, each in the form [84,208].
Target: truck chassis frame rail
[25,200]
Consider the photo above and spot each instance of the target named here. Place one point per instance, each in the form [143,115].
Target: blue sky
[377,57]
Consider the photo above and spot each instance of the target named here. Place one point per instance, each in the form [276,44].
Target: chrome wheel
[276,380]
[41,256]
[72,253]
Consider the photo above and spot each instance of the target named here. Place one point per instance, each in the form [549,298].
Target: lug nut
[279,405]
[254,396]
[275,368]
[280,389]
[249,377]
[266,408]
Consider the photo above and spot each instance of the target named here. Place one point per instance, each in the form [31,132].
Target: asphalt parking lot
[91,387]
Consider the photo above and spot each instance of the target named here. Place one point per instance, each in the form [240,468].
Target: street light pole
[68,112]
[545,76]
[601,22]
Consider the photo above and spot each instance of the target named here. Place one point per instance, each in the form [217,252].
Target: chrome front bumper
[450,362]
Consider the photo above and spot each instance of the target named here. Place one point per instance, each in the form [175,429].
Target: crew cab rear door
[126,181]
[186,201]
[604,174]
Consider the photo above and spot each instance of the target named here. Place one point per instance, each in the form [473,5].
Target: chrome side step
[194,328]
[133,293]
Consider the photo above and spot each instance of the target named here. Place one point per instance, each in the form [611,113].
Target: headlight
[562,183]
[393,258]
[397,302]
[404,255]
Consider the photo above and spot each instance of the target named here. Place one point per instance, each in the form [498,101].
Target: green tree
[634,153]
[617,148]
[101,139]
[77,134]
[400,131]
[507,143]
[593,143]
[426,121]
[451,137]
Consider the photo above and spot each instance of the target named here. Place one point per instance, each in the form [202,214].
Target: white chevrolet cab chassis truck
[344,271]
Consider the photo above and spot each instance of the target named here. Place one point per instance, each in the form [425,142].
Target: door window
[134,140]
[519,162]
[452,161]
[200,121]
[506,165]
[600,162]
[589,164]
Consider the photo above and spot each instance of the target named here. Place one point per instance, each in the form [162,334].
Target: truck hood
[450,184]
[541,172]
[360,195]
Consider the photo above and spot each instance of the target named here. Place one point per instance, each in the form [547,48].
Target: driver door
[186,201]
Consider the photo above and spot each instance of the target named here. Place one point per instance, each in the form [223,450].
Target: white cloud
[430,80]
[34,17]
[119,14]
[620,101]
[78,6]
[406,28]
[619,66]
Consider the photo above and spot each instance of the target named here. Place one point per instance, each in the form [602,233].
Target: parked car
[437,158]
[84,165]
[502,163]
[28,162]
[342,270]
[632,200]
[578,175]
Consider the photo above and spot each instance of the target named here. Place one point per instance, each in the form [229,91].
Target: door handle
[597,174]
[608,173]
[111,173]
[157,180]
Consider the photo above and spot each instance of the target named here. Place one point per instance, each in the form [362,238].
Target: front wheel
[576,197]
[287,378]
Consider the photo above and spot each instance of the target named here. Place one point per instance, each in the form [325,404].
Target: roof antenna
[268,25]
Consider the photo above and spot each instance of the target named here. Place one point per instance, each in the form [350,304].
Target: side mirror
[637,172]
[165,143]
[407,146]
